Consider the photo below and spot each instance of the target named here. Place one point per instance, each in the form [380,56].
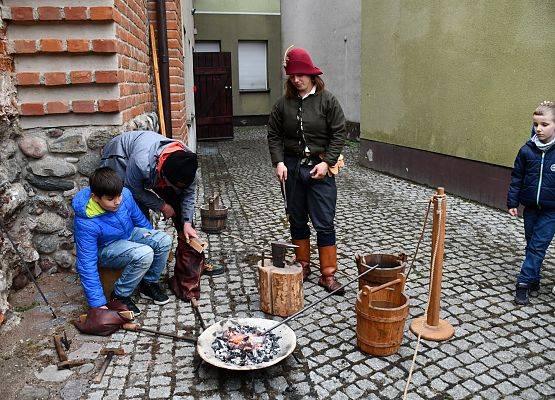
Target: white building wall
[330,31]
[188,45]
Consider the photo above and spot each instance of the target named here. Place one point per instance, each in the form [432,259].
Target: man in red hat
[306,134]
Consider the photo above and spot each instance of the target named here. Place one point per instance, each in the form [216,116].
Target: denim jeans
[539,228]
[143,256]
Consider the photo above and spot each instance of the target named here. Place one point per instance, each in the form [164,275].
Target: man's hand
[189,231]
[513,211]
[319,171]
[167,211]
[103,307]
[281,172]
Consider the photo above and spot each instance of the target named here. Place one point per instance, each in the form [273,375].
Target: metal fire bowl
[287,342]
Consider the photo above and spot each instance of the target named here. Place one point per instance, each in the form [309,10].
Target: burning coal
[245,345]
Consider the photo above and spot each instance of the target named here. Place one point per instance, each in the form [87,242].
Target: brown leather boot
[302,255]
[328,266]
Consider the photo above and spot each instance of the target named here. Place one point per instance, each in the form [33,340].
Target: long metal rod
[196,310]
[322,299]
[241,240]
[31,276]
[130,326]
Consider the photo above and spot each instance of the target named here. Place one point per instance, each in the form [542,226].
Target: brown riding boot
[328,266]
[302,255]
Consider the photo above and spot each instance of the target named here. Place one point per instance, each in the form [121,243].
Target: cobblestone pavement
[499,350]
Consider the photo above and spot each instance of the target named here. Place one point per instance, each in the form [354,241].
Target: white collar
[312,91]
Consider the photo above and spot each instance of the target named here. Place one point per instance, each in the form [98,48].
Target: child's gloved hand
[513,211]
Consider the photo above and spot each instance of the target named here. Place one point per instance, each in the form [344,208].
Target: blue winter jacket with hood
[91,234]
[533,178]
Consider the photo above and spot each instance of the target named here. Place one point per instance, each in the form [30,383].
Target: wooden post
[157,82]
[432,327]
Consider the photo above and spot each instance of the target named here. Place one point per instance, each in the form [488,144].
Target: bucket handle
[367,291]
[214,202]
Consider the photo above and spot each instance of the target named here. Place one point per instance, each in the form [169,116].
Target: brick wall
[96,73]
[175,53]
[134,59]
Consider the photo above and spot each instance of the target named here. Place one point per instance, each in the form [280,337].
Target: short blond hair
[546,107]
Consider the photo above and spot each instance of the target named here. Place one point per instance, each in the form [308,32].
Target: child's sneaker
[154,292]
[128,303]
[522,293]
[534,289]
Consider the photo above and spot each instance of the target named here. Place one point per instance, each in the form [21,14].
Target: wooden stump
[281,289]
[108,276]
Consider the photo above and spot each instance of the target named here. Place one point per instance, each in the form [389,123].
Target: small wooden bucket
[389,265]
[213,216]
[381,314]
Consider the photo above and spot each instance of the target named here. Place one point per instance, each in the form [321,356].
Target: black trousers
[310,198]
[170,197]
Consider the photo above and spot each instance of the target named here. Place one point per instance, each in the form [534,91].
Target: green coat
[323,123]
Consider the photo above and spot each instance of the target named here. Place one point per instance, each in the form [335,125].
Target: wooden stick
[137,328]
[59,349]
[71,363]
[157,82]
[438,240]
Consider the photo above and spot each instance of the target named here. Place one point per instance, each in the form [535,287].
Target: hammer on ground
[109,352]
[64,362]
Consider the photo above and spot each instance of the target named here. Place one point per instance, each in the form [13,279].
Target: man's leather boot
[302,255]
[328,266]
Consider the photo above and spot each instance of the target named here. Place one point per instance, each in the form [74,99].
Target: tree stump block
[109,276]
[281,289]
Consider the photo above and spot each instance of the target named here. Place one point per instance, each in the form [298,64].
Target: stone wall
[40,171]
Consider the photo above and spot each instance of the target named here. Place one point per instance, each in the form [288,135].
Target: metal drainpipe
[164,63]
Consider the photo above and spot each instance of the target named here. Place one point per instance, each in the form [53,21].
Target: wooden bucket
[213,216]
[381,314]
[389,265]
[280,289]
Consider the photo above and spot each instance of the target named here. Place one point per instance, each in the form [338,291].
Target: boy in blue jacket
[111,230]
[533,185]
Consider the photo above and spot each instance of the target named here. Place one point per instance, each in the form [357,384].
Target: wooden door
[213,102]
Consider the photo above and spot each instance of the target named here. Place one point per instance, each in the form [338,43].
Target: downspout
[164,63]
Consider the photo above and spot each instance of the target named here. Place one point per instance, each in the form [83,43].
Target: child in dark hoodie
[111,230]
[533,185]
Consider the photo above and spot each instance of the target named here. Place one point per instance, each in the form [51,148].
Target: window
[252,66]
[207,46]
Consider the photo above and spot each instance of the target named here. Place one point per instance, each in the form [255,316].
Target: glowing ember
[245,345]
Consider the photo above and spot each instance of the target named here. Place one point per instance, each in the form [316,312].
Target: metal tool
[71,363]
[109,352]
[129,326]
[278,252]
[284,194]
[65,341]
[196,310]
[31,276]
[322,299]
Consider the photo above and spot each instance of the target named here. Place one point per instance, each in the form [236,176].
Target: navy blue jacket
[91,234]
[533,178]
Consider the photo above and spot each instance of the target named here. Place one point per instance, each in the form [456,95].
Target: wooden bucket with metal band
[381,314]
[213,216]
[389,265]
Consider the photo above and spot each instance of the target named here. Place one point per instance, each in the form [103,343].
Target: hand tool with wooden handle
[59,349]
[137,328]
[109,352]
[72,363]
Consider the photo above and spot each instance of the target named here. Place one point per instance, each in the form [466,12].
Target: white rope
[439,213]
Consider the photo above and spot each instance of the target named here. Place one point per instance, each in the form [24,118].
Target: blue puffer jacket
[91,234]
[533,178]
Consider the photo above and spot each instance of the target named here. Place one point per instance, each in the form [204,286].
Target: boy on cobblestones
[533,185]
[111,230]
